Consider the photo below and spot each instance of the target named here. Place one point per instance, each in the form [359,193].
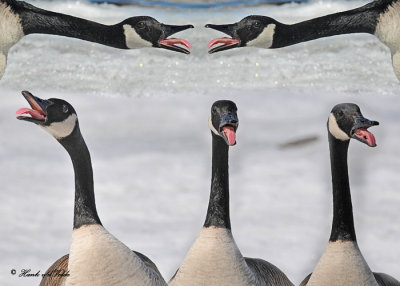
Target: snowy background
[144,116]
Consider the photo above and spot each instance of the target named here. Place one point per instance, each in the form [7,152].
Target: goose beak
[360,132]
[227,128]
[171,44]
[227,43]
[37,113]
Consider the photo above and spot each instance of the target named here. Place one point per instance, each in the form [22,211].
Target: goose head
[254,30]
[346,122]
[145,31]
[56,116]
[224,121]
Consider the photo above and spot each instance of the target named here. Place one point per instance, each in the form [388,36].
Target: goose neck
[38,21]
[85,212]
[343,222]
[359,20]
[218,208]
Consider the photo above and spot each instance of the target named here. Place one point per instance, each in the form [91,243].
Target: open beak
[37,113]
[360,132]
[171,44]
[227,43]
[227,128]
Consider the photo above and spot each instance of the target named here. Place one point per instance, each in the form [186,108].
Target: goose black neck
[218,206]
[342,223]
[359,20]
[85,212]
[39,21]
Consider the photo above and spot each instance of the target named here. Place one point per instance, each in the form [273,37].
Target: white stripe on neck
[133,40]
[212,126]
[62,129]
[335,130]
[265,38]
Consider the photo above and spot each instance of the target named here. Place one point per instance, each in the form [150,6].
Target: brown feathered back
[55,275]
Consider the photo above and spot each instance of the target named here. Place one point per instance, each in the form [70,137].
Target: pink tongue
[173,41]
[367,136]
[230,134]
[32,112]
[226,40]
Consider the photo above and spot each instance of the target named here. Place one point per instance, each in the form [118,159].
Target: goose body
[380,18]
[10,27]
[18,19]
[96,256]
[57,273]
[342,262]
[388,32]
[110,262]
[214,258]
[10,33]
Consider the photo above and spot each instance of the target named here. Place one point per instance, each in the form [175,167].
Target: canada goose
[380,18]
[342,262]
[18,18]
[214,259]
[96,256]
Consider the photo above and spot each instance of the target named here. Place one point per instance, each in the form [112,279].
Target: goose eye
[340,113]
[141,25]
[65,108]
[257,24]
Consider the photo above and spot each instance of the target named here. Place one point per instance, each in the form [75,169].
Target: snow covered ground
[144,116]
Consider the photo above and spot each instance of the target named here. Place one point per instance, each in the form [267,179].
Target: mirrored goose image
[380,18]
[18,19]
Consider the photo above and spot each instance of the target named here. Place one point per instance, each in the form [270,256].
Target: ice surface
[144,116]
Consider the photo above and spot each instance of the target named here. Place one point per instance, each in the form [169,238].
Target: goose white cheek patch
[212,128]
[62,129]
[133,40]
[265,39]
[335,130]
